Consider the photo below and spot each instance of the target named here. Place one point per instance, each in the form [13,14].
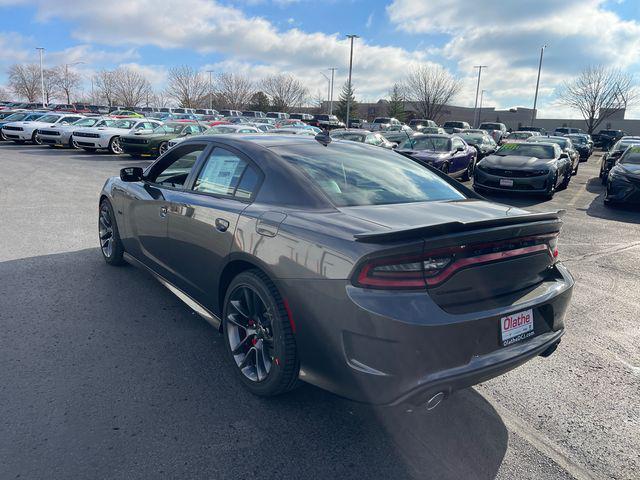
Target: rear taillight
[436,266]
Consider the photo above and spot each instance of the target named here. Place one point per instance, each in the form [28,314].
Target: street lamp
[333,71]
[328,87]
[535,98]
[475,106]
[351,38]
[41,50]
[210,72]
[480,110]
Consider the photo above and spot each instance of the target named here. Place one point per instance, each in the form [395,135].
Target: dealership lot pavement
[105,374]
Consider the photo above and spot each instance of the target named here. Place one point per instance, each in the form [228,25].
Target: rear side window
[355,175]
[226,174]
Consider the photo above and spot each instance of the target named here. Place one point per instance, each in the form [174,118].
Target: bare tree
[597,93]
[395,107]
[187,86]
[233,90]
[24,81]
[429,88]
[50,84]
[104,83]
[4,95]
[159,99]
[67,82]
[131,88]
[318,101]
[285,91]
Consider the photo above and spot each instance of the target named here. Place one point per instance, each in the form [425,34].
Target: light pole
[66,78]
[41,50]
[350,37]
[535,98]
[480,109]
[210,72]
[475,106]
[328,87]
[333,71]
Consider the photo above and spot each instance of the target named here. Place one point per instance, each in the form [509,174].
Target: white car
[61,135]
[21,132]
[92,139]
[220,130]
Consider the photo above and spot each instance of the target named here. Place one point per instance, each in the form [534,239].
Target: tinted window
[353,175]
[248,183]
[436,144]
[526,150]
[221,174]
[632,155]
[175,167]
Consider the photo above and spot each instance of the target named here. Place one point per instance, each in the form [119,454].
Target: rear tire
[114,146]
[108,235]
[575,170]
[565,180]
[468,174]
[551,191]
[259,336]
[445,168]
[163,147]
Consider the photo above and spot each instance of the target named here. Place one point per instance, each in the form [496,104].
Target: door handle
[221,224]
[163,211]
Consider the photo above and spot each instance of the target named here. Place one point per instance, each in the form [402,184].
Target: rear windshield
[353,175]
[526,150]
[519,135]
[563,142]
[491,126]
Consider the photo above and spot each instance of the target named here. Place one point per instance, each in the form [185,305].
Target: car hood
[516,161]
[629,169]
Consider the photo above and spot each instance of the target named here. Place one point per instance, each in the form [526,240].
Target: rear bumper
[388,348]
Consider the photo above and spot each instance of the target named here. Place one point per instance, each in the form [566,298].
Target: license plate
[506,182]
[516,327]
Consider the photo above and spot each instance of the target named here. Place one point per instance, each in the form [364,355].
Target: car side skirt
[209,316]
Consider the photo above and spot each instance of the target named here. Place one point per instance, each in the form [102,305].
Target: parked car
[436,130]
[62,107]
[581,145]
[341,264]
[482,142]
[623,181]
[125,114]
[497,130]
[565,144]
[383,123]
[207,112]
[356,123]
[305,117]
[518,136]
[450,155]
[400,136]
[540,130]
[157,142]
[26,116]
[326,122]
[281,115]
[231,113]
[221,130]
[92,139]
[61,135]
[454,127]
[253,114]
[566,131]
[27,129]
[363,136]
[418,124]
[529,168]
[609,158]
[606,138]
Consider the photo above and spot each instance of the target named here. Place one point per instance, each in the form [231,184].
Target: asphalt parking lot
[105,374]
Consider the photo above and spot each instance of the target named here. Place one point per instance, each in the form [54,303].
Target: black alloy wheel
[445,168]
[164,146]
[551,189]
[259,335]
[35,138]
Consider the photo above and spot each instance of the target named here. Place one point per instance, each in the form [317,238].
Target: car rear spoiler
[457,227]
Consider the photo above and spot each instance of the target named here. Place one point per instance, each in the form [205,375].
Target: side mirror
[564,155]
[459,149]
[131,174]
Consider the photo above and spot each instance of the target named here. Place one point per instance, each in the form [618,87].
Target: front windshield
[621,146]
[15,117]
[169,129]
[518,136]
[580,140]
[85,122]
[33,116]
[128,124]
[353,175]
[434,144]
[526,150]
[631,156]
[49,118]
[472,137]
[105,123]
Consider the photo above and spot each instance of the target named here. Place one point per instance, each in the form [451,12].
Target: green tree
[259,102]
[395,108]
[341,108]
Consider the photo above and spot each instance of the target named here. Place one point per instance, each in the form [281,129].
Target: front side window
[174,168]
[353,175]
[49,118]
[126,124]
[631,155]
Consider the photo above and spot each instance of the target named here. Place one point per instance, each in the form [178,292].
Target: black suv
[325,121]
[606,138]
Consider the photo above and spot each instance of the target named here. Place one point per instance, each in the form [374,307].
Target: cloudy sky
[305,37]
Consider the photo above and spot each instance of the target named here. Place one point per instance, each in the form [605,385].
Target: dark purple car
[451,155]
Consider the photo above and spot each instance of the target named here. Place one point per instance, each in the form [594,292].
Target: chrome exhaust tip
[434,401]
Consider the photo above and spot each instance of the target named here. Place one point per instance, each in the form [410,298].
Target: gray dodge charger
[340,264]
